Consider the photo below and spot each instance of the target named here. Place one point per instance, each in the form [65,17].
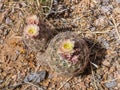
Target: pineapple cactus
[34,34]
[68,54]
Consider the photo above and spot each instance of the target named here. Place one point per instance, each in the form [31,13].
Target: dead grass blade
[116,27]
[65,83]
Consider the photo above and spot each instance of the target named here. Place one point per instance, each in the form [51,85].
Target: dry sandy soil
[96,20]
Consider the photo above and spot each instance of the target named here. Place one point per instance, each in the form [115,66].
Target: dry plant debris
[98,20]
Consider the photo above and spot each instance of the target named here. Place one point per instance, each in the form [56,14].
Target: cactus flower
[66,46]
[32,20]
[31,30]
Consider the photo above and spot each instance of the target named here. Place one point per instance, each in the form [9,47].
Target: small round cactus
[32,35]
[68,54]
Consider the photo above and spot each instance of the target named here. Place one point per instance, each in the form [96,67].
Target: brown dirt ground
[97,20]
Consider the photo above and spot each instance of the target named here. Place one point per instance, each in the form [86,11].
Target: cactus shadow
[97,55]
[47,33]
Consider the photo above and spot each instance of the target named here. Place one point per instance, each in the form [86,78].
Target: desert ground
[23,68]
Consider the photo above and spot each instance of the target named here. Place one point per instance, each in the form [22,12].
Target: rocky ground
[96,20]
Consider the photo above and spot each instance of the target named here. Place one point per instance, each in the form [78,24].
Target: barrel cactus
[68,54]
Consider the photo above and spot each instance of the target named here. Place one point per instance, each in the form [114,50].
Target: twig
[100,32]
[94,64]
[94,78]
[38,65]
[33,85]
[111,80]
[16,85]
[38,3]
[96,32]
[28,85]
[116,28]
[64,83]
[50,8]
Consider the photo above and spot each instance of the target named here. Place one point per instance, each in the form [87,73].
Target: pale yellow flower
[33,19]
[66,46]
[31,30]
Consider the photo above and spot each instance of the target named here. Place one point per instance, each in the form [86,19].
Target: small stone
[36,77]
[55,2]
[116,10]
[107,9]
[111,84]
[92,28]
[112,69]
[101,21]
[106,45]
[23,4]
[96,1]
[1,81]
[106,63]
[99,77]
[67,85]
[6,32]
[50,76]
[8,20]
[105,2]
[2,41]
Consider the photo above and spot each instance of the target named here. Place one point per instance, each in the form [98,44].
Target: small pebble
[2,41]
[8,20]
[106,63]
[106,9]
[116,10]
[67,85]
[99,77]
[6,32]
[106,44]
[50,76]
[111,84]
[1,81]
[96,1]
[23,4]
[101,21]
[36,77]
[105,2]
[92,28]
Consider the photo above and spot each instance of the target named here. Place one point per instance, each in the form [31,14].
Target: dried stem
[94,78]
[65,83]
[116,27]
[33,85]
